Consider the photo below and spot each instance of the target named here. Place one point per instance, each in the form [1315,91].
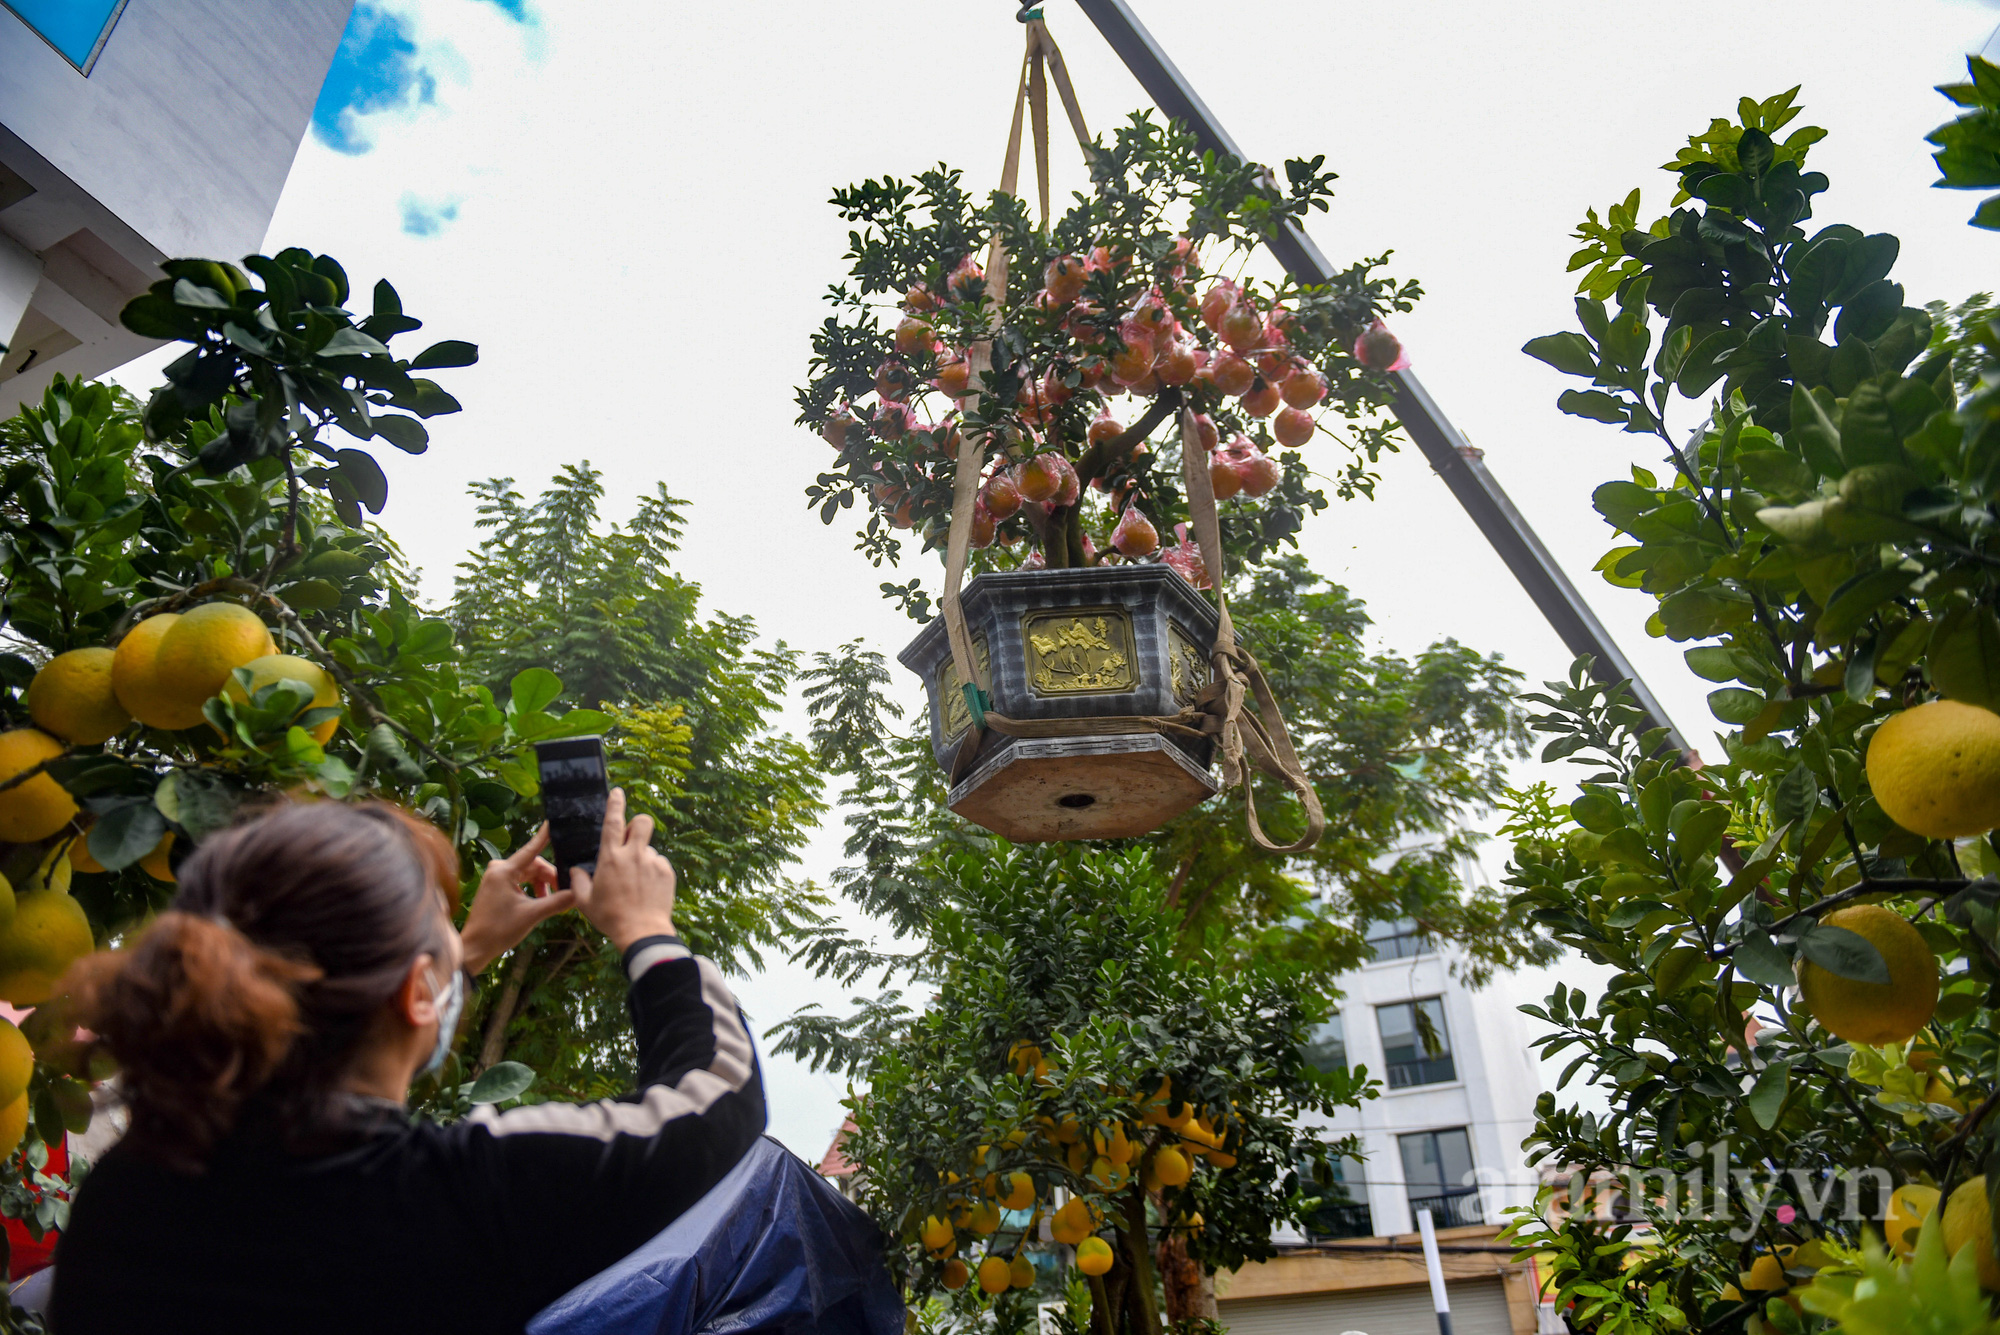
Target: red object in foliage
[27,1255]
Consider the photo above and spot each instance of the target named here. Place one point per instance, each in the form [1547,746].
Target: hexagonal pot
[1076,648]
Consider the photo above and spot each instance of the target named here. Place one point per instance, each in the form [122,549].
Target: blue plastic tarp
[773,1248]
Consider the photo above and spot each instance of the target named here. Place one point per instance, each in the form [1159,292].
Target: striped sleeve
[619,1170]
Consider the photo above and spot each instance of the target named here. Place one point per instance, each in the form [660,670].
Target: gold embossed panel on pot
[951,692]
[1079,651]
[1188,663]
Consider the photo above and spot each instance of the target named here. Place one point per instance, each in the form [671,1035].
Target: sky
[625,205]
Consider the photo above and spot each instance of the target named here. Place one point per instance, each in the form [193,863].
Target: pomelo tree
[1797,1043]
[1131,304]
[236,502]
[1127,308]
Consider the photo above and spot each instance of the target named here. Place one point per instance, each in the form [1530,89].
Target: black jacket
[470,1227]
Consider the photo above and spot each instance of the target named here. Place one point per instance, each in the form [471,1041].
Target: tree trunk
[493,1045]
[1138,1250]
[1101,1320]
[1189,1289]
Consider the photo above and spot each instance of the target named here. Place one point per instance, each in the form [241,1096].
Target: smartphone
[574,791]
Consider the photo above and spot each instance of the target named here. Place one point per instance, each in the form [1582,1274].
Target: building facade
[133,131]
[1458,1088]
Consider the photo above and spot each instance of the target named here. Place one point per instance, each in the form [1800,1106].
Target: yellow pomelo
[72,697]
[134,676]
[1765,1276]
[1070,1224]
[1936,769]
[1017,1191]
[1968,1222]
[38,808]
[1114,1145]
[17,1062]
[1908,1207]
[954,1274]
[290,667]
[1172,1167]
[1093,1256]
[79,854]
[936,1234]
[48,934]
[199,651]
[13,1125]
[995,1275]
[985,1218]
[156,864]
[1875,1013]
[1021,1272]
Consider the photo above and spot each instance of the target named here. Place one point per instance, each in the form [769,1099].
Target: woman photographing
[267,1028]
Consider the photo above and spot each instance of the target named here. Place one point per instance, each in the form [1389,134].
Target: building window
[75,28]
[1343,1207]
[1415,1046]
[1437,1166]
[1398,939]
[1326,1050]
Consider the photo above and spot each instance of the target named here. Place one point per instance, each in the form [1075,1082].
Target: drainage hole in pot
[1076,801]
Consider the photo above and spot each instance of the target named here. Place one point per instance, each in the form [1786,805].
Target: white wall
[177,144]
[1493,1097]
[187,126]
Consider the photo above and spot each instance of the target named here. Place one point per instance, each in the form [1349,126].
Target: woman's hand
[515,894]
[631,894]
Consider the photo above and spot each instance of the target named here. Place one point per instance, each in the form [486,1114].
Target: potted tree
[1050,433]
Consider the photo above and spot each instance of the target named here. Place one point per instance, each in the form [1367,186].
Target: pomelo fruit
[49,933]
[1875,1013]
[209,642]
[72,698]
[135,679]
[39,807]
[290,667]
[1935,769]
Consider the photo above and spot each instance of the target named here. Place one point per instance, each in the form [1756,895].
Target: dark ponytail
[254,990]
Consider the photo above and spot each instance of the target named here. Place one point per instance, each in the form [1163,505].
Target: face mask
[449,1007]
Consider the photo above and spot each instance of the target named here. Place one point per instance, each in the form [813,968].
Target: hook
[1028,12]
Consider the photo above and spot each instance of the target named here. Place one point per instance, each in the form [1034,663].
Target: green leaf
[533,690]
[405,433]
[1856,600]
[365,476]
[1767,1096]
[579,723]
[1733,704]
[1712,662]
[1595,405]
[126,833]
[1568,352]
[385,752]
[1596,812]
[352,343]
[1843,953]
[1759,959]
[312,595]
[451,352]
[1678,967]
[500,1082]
[1964,656]
[1866,433]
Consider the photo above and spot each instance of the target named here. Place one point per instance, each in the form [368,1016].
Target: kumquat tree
[1798,1043]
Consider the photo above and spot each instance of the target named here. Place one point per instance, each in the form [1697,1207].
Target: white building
[1458,1096]
[1458,1093]
[133,131]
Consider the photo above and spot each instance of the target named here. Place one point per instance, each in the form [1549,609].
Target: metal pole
[1439,1302]
[1454,459]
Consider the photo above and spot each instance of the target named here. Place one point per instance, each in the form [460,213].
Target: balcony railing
[1436,1070]
[1349,1219]
[1451,1209]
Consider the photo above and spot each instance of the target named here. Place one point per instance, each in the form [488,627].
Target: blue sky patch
[421,218]
[375,69]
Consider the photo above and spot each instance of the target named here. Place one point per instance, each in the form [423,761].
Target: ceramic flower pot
[1077,651]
